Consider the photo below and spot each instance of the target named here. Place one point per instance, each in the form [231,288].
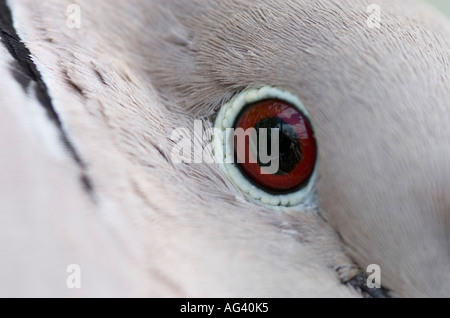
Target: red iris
[297,145]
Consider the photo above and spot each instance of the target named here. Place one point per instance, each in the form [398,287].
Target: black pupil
[290,148]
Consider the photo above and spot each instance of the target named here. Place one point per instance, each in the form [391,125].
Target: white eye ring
[226,118]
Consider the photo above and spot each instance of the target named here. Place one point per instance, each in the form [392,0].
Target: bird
[94,203]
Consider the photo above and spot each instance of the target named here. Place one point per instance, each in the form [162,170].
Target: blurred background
[443,5]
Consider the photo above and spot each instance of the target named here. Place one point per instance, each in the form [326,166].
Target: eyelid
[304,197]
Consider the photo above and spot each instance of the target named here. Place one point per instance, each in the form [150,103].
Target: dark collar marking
[25,72]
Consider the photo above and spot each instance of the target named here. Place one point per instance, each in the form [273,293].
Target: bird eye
[296,145]
[265,143]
